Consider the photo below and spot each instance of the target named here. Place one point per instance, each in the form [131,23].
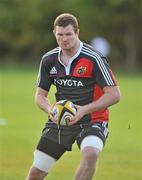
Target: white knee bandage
[92,141]
[43,161]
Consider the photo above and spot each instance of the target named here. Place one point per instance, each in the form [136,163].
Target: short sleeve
[103,74]
[44,80]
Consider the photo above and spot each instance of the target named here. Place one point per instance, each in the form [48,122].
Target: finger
[73,120]
[76,106]
[53,105]
[51,116]
[53,119]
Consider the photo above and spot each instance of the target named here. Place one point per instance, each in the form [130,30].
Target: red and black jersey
[82,81]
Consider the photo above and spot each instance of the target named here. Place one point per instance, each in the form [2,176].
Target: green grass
[121,158]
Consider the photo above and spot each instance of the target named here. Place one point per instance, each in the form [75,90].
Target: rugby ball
[63,111]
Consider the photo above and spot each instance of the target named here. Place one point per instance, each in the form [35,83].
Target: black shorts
[55,140]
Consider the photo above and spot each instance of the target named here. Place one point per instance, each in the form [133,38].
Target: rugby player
[82,75]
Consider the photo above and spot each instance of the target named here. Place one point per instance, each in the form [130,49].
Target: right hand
[51,115]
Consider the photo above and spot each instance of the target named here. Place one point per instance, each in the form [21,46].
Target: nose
[64,38]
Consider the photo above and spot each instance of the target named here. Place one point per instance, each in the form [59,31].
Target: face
[66,37]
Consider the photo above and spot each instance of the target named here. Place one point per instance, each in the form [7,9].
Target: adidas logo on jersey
[53,71]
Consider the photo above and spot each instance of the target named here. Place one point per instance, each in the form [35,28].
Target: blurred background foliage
[26,28]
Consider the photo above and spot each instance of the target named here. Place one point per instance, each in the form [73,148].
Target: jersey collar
[67,68]
[73,57]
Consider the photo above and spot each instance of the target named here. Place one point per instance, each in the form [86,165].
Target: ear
[78,32]
[54,32]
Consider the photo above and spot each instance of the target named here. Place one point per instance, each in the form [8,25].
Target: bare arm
[42,101]
[111,96]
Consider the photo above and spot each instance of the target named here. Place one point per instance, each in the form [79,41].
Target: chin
[66,48]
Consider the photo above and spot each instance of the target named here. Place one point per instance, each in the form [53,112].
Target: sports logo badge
[53,70]
[81,70]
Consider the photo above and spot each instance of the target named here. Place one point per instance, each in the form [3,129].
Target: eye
[68,34]
[59,34]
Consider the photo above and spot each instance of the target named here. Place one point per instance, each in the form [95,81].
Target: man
[83,76]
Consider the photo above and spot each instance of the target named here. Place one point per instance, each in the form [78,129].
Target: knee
[90,154]
[36,174]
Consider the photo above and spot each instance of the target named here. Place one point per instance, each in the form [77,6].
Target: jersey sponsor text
[68,82]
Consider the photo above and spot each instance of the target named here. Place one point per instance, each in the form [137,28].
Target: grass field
[21,123]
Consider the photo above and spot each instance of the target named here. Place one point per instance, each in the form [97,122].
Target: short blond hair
[66,19]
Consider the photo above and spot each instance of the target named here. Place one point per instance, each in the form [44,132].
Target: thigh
[50,147]
[42,162]
[56,140]
[93,135]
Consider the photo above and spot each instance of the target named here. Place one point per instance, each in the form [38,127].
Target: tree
[26,27]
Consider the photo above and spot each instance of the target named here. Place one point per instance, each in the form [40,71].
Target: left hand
[81,111]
